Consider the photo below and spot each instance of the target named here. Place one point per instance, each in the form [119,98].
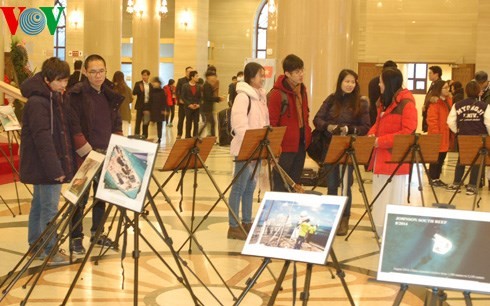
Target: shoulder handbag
[318,146]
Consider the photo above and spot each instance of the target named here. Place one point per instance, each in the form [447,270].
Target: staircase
[7,175]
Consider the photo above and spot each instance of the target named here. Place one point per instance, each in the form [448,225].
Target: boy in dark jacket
[46,158]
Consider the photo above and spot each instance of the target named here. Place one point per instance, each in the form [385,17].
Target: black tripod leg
[193,237]
[419,178]
[279,281]
[364,198]
[168,241]
[480,173]
[467,298]
[305,295]
[38,245]
[194,190]
[136,256]
[400,294]
[341,275]
[87,256]
[252,281]
[379,193]
[11,211]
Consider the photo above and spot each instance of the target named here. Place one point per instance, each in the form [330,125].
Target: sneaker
[438,183]
[39,256]
[103,241]
[170,124]
[470,190]
[77,246]
[453,187]
[178,137]
[59,259]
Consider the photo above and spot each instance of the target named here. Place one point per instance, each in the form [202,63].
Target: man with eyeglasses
[288,106]
[95,117]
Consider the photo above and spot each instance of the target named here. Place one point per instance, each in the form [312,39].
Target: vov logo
[32,21]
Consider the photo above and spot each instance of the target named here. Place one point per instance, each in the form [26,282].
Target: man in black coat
[77,75]
[95,117]
[180,102]
[142,92]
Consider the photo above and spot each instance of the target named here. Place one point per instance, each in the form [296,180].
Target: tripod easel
[473,150]
[258,144]
[352,150]
[62,220]
[410,149]
[13,135]
[194,151]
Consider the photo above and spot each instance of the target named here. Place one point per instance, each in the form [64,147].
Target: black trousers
[139,119]
[191,119]
[180,123]
[435,169]
[97,214]
[209,120]
[292,163]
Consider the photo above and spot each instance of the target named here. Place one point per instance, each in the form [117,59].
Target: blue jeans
[242,190]
[44,207]
[334,181]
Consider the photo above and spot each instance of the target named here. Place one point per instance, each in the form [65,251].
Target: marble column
[321,33]
[482,45]
[102,21]
[146,38]
[191,36]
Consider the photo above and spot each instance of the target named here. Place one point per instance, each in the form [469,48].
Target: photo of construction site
[287,226]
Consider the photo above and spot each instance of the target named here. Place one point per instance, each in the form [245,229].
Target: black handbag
[318,146]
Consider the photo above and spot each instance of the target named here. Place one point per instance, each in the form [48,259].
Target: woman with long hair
[123,89]
[249,111]
[343,113]
[396,115]
[437,113]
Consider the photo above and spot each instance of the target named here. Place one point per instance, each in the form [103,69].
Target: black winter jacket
[46,150]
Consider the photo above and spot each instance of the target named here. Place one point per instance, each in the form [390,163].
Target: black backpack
[284,100]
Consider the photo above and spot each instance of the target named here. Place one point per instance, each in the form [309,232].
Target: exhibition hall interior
[168,236]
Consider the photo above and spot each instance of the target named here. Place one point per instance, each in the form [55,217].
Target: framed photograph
[84,176]
[8,119]
[295,226]
[126,172]
[436,247]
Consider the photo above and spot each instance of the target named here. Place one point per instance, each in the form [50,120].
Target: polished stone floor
[215,269]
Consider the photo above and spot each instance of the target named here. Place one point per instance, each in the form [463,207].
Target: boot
[344,226]
[247,227]
[235,232]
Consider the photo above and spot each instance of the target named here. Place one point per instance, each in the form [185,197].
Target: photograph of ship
[85,174]
[295,226]
[8,119]
[125,171]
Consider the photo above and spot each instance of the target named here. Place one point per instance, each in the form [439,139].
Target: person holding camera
[343,113]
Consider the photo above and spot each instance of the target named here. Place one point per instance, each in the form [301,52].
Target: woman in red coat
[396,115]
[436,122]
[170,94]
